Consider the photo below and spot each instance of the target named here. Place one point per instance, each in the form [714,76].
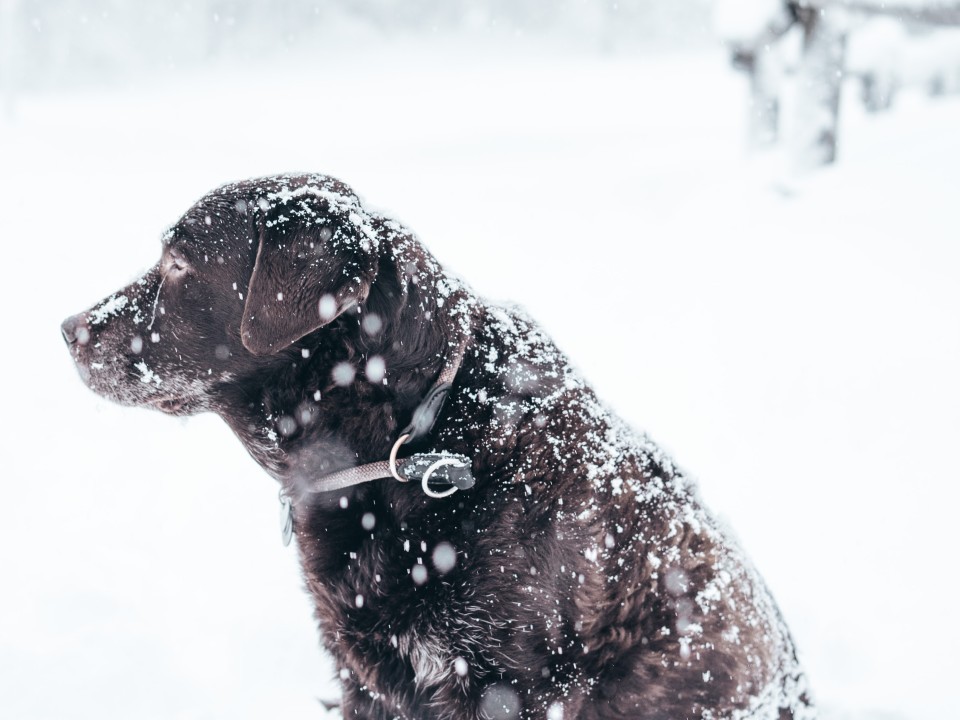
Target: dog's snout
[75,330]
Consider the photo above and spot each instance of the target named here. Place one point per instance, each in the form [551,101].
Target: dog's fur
[589,581]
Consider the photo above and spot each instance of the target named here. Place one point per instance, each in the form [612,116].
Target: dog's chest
[428,601]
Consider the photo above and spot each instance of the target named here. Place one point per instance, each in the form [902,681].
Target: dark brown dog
[580,577]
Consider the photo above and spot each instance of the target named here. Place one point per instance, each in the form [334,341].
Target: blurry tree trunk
[819,77]
[765,127]
[765,98]
[759,56]
[8,57]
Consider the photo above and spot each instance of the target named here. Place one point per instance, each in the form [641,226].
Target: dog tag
[286,520]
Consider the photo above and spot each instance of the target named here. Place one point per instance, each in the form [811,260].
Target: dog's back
[589,577]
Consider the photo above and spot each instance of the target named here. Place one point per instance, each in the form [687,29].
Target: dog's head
[248,271]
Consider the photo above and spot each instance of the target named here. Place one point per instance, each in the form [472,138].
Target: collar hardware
[425,416]
[432,470]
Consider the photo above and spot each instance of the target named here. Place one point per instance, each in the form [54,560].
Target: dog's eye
[176,263]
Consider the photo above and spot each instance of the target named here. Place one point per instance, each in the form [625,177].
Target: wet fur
[589,581]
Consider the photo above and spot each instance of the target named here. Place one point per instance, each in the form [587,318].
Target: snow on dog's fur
[588,581]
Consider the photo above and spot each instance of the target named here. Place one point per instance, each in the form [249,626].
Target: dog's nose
[75,330]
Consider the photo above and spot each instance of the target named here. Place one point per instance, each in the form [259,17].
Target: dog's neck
[413,318]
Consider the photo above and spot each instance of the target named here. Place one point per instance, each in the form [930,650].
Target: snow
[327,307]
[110,306]
[147,375]
[745,20]
[343,373]
[419,574]
[375,369]
[792,342]
[368,521]
[371,323]
[444,557]
[499,702]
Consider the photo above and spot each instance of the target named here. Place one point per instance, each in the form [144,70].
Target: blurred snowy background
[792,338]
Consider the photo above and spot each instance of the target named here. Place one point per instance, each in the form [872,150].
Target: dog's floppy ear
[316,259]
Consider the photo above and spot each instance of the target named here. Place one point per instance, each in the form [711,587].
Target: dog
[555,564]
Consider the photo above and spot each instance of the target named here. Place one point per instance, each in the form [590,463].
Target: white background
[793,341]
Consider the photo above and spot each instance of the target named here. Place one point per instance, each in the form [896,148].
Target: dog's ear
[316,259]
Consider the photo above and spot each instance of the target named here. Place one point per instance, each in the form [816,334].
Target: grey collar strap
[439,474]
[429,469]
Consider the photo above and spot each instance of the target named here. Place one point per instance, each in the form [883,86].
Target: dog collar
[450,469]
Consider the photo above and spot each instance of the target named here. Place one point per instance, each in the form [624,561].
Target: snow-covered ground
[794,342]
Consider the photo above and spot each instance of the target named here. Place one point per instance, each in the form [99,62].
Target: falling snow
[419,574]
[371,323]
[865,652]
[343,374]
[327,307]
[376,369]
[444,557]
